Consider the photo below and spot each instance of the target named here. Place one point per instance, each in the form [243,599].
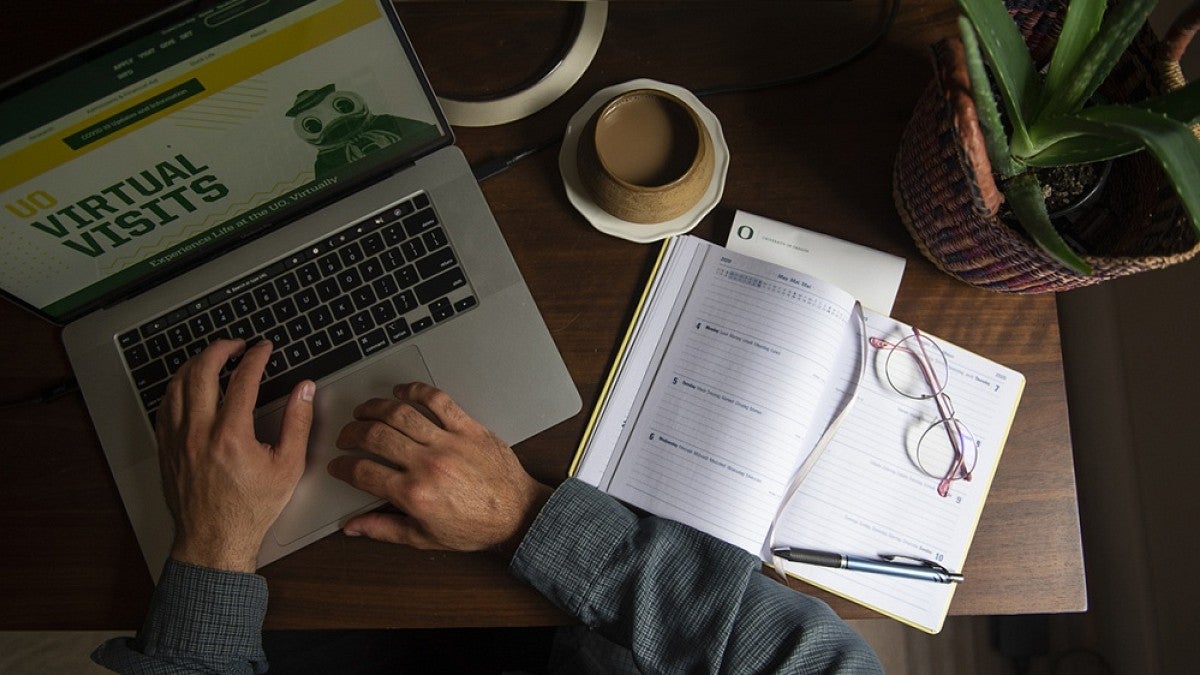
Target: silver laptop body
[484,342]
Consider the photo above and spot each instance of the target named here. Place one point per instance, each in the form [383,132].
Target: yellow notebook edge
[620,358]
[933,630]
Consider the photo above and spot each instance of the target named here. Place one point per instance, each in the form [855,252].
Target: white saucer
[610,224]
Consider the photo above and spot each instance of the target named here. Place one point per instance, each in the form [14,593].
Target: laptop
[253,168]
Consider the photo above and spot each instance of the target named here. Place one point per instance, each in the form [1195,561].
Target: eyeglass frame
[941,400]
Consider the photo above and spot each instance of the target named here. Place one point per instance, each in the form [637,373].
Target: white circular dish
[610,224]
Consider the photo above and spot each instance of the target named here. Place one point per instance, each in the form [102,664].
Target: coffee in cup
[645,157]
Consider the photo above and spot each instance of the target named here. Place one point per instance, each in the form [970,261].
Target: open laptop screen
[192,132]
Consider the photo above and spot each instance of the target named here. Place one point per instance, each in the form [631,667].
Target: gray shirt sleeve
[201,620]
[678,599]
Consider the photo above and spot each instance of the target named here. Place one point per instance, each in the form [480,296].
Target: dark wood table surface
[817,153]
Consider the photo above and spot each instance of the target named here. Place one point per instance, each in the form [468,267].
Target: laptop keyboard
[372,284]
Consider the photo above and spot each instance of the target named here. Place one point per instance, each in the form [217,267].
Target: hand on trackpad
[321,499]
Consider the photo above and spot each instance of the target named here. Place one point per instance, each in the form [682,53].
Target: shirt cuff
[562,559]
[199,612]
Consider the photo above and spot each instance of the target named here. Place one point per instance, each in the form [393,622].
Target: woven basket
[947,198]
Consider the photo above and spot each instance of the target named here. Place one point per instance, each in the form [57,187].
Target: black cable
[488,168]
[52,394]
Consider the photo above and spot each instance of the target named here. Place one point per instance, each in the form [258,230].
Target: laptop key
[329,264]
[175,361]
[136,356]
[200,324]
[158,345]
[287,284]
[296,353]
[435,239]
[436,262]
[405,302]
[441,309]
[362,322]
[373,341]
[149,374]
[340,332]
[320,317]
[276,364]
[398,330]
[407,276]
[465,304]
[153,396]
[440,285]
[421,324]
[318,343]
[244,304]
[127,339]
[285,309]
[419,222]
[263,319]
[327,289]
[222,315]
[306,299]
[179,335]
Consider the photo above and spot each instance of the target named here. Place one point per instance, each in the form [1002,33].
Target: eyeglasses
[917,368]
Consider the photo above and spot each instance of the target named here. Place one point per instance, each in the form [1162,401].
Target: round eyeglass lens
[917,368]
[935,454]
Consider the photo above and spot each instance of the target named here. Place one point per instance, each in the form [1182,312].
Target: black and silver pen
[924,570]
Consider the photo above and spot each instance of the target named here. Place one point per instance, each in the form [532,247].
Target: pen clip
[914,562]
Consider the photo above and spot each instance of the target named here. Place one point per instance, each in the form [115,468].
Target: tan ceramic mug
[645,157]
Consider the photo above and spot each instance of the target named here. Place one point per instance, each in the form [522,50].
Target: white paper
[871,276]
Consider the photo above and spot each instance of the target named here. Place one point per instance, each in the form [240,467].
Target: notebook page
[724,420]
[866,497]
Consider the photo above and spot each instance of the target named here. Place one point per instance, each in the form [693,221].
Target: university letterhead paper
[871,276]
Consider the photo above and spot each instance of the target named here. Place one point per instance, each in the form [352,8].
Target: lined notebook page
[866,497]
[724,423]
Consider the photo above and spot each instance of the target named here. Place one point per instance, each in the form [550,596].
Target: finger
[377,438]
[390,527]
[400,416]
[367,475]
[445,411]
[197,387]
[297,422]
[242,391]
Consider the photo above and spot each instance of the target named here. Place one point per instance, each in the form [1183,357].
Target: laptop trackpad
[321,499]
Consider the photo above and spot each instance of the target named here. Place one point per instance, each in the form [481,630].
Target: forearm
[200,620]
[677,598]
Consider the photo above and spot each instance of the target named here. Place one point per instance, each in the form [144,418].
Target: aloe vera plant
[1050,119]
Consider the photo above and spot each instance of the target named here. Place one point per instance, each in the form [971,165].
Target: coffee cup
[645,157]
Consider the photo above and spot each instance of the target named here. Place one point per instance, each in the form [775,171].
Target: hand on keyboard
[224,486]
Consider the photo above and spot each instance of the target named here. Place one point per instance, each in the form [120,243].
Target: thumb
[393,528]
[297,421]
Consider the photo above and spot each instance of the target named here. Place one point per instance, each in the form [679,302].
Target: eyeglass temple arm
[945,410]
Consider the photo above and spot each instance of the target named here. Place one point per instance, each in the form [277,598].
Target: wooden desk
[817,154]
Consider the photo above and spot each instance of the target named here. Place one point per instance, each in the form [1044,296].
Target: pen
[887,564]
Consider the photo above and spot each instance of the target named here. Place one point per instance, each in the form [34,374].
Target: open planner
[731,371]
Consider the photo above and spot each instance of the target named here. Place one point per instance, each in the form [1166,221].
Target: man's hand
[225,487]
[459,486]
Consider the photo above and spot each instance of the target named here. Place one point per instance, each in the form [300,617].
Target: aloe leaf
[1073,140]
[994,138]
[1024,195]
[1083,149]
[1169,140]
[1182,105]
[1115,35]
[1079,27]
[1012,67]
